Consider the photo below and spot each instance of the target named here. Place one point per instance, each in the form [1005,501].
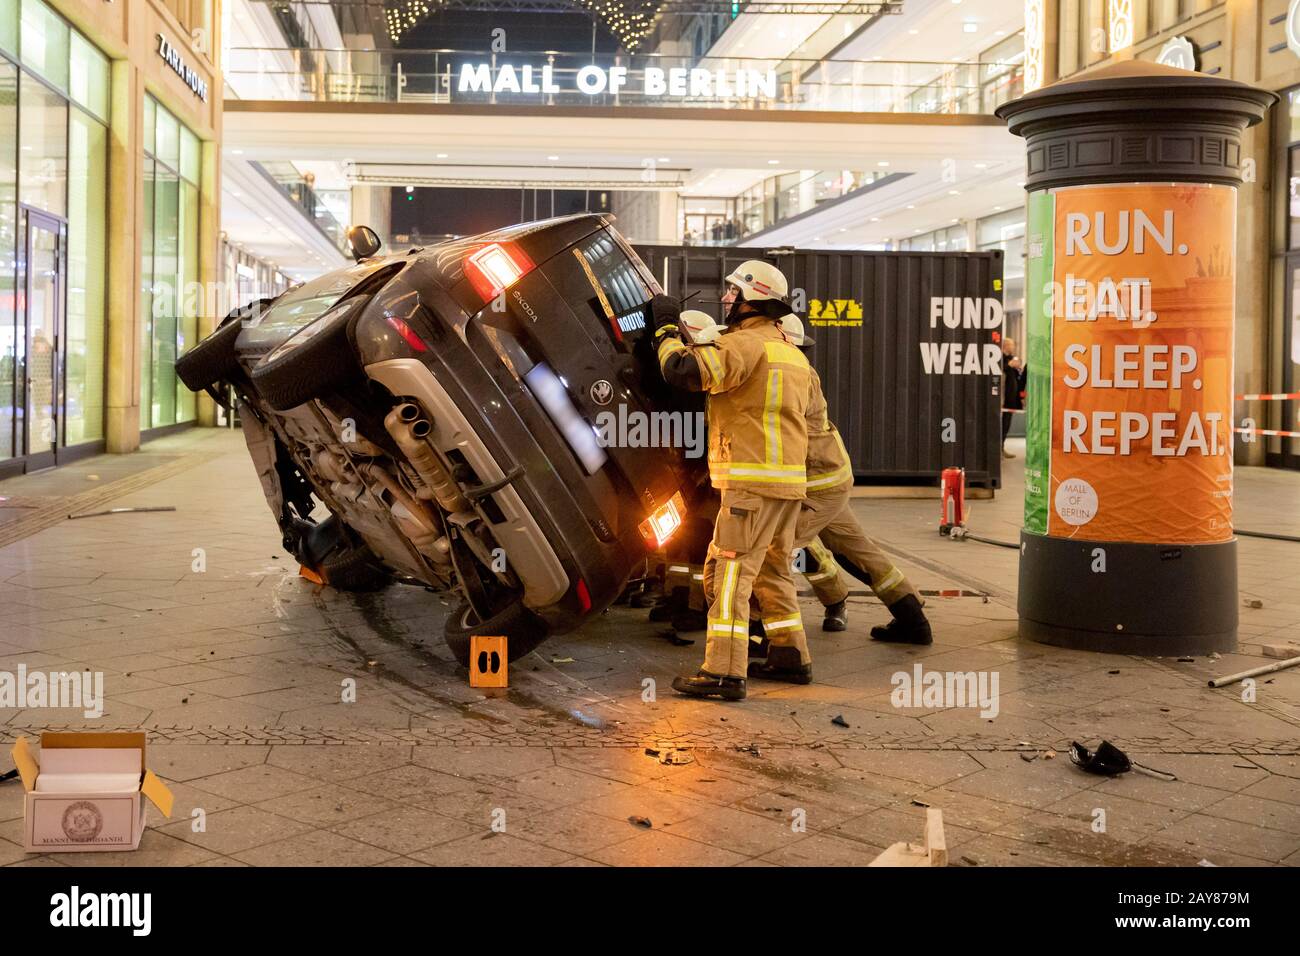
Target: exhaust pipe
[409,428]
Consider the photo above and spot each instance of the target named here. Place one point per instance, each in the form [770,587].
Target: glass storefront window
[9,27]
[87,265]
[44,42]
[43,146]
[89,77]
[150,124]
[169,267]
[53,160]
[9,354]
[167,143]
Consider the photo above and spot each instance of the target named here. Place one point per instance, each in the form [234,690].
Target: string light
[631,21]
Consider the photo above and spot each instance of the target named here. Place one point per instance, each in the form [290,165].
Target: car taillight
[495,268]
[408,334]
[664,521]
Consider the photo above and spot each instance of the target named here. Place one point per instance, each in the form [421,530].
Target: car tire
[354,569]
[523,630]
[316,367]
[211,361]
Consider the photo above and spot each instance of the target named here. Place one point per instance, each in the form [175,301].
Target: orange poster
[1141,346]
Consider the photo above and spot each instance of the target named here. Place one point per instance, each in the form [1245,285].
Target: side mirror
[364,242]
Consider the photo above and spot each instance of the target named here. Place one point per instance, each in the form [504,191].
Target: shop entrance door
[41,284]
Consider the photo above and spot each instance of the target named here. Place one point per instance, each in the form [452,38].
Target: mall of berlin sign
[678,82]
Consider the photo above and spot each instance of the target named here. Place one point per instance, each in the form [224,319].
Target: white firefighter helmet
[759,281]
[792,326]
[695,323]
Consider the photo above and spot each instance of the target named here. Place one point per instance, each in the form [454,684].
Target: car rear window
[622,293]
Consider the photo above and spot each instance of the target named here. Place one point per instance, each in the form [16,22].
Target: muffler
[409,428]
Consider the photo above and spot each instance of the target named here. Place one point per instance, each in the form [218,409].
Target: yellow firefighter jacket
[829,465]
[759,389]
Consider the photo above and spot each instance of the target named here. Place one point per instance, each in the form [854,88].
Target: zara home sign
[172,57]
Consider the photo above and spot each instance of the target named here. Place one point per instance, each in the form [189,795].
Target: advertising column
[1127,543]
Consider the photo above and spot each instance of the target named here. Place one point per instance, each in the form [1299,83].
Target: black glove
[664,309]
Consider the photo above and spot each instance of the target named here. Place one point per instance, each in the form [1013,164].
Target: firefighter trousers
[750,554]
[827,524]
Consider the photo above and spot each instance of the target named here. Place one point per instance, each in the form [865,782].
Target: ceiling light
[883,162]
[237,152]
[442,155]
[875,219]
[773,162]
[552,158]
[969,27]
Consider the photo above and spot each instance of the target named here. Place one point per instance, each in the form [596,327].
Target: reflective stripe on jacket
[759,387]
[829,465]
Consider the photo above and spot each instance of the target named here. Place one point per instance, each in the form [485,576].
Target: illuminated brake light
[494,268]
[664,521]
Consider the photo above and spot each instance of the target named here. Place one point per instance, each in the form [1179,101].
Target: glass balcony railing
[308,200]
[571,79]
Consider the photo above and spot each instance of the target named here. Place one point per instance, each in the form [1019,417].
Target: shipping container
[907,347]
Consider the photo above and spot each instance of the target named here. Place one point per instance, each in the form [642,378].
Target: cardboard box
[87,792]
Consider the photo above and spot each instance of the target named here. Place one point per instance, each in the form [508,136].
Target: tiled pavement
[237,672]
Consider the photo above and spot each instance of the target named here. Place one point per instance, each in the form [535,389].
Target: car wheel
[317,367]
[353,569]
[211,361]
[523,630]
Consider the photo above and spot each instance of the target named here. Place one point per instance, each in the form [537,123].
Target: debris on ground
[122,511]
[1281,651]
[1049,754]
[1186,660]
[1109,761]
[919,803]
[839,721]
[676,640]
[970,860]
[674,756]
[640,822]
[1028,758]
[749,749]
[562,660]
[1254,603]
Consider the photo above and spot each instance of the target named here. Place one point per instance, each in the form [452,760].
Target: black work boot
[783,664]
[837,617]
[705,684]
[909,625]
[758,644]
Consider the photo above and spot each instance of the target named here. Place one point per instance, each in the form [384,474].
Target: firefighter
[759,386]
[827,524]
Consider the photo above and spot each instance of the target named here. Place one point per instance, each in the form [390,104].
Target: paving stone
[317,848]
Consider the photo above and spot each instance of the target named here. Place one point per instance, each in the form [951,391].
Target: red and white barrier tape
[1278,397]
[1272,432]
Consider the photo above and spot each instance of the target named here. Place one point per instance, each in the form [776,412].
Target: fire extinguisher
[953,485]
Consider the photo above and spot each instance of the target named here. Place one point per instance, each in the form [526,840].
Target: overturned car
[432,417]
